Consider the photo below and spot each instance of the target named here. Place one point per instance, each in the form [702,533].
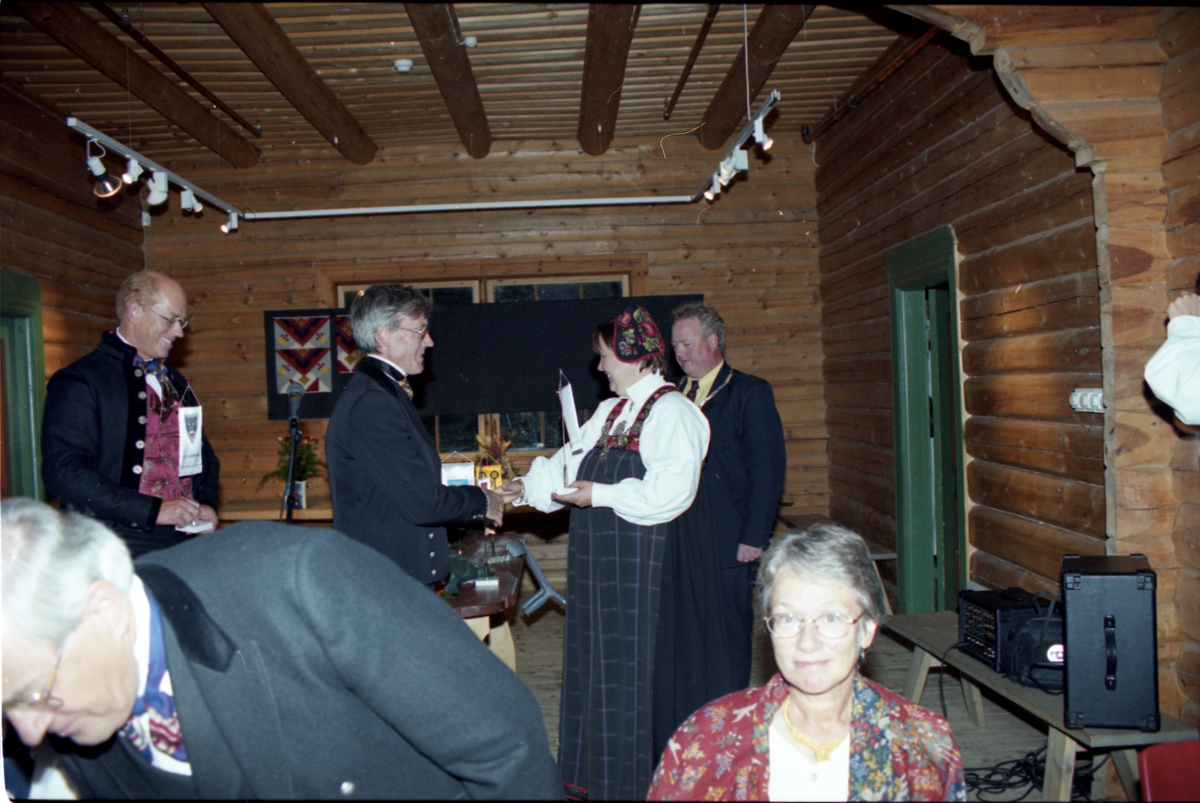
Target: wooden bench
[932,634]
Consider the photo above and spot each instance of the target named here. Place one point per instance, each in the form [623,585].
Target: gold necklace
[822,750]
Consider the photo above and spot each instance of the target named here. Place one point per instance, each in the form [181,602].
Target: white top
[795,775]
[673,443]
[1173,373]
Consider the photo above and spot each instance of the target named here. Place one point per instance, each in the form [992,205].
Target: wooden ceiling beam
[88,40]
[266,44]
[773,31]
[609,34]
[436,27]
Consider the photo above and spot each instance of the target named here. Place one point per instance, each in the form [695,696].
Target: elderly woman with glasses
[818,730]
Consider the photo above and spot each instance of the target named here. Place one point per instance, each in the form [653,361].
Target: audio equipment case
[1111,673]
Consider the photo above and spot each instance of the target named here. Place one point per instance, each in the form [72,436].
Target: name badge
[191,438]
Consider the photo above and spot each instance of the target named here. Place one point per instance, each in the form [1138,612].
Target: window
[528,431]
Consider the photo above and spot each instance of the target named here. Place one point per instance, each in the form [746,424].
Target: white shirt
[673,443]
[1173,373]
[796,776]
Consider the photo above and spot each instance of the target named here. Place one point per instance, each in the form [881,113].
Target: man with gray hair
[745,466]
[122,432]
[252,663]
[384,472]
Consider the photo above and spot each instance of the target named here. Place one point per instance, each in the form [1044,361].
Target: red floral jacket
[898,750]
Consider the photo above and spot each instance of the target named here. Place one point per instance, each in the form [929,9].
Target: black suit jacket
[746,460]
[305,667]
[93,438]
[386,476]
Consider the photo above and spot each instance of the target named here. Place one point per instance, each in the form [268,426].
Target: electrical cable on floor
[1008,776]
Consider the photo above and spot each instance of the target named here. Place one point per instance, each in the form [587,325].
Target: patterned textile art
[347,352]
[302,348]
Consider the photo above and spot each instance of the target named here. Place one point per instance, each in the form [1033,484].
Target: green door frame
[926,392]
[25,378]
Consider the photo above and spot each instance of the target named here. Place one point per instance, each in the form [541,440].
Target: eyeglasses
[183,322]
[829,625]
[38,700]
[420,333]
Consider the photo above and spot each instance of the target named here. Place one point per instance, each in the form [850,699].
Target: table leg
[479,626]
[498,637]
[1060,766]
[918,670]
[501,643]
[1127,769]
[974,702]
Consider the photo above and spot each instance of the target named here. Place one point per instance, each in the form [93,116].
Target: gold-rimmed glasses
[171,321]
[420,333]
[42,699]
[828,625]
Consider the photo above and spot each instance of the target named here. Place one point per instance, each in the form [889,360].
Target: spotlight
[158,188]
[187,200]
[133,171]
[232,224]
[761,135]
[106,185]
[712,192]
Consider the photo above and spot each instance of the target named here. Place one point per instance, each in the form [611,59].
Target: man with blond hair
[122,432]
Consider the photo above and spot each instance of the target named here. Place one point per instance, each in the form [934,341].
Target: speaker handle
[1110,652]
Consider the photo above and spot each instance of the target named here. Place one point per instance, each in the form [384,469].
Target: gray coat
[305,667]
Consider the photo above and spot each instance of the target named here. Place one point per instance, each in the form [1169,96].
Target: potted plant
[492,460]
[307,465]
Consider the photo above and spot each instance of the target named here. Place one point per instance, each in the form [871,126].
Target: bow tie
[155,366]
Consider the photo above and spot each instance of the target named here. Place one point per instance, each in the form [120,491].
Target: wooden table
[933,633]
[483,607]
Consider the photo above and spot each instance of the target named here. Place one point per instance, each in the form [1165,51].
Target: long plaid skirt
[613,578]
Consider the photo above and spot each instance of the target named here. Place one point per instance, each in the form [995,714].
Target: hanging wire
[746,58]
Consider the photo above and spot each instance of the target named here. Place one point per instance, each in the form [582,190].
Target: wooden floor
[538,644]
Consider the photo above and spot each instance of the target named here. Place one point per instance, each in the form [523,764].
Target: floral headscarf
[636,336]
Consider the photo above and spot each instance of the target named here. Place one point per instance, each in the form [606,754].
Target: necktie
[693,386]
[396,374]
[155,709]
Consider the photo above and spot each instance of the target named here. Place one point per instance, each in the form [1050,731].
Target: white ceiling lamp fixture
[106,185]
[158,188]
[232,224]
[737,159]
[133,171]
[761,135]
[402,65]
[187,200]
[160,177]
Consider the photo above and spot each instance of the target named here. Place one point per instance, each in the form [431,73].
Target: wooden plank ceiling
[307,74]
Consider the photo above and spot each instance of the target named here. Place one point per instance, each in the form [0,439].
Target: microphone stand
[289,491]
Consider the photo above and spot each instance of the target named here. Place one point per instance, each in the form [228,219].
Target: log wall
[752,253]
[942,144]
[54,228]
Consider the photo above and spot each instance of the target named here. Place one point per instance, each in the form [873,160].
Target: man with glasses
[384,473]
[122,432]
[252,663]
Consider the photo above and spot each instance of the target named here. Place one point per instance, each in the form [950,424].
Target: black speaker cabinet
[1110,641]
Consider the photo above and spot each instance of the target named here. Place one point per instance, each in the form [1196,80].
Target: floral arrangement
[306,461]
[493,450]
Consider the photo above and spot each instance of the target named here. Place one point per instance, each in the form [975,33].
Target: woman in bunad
[639,558]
